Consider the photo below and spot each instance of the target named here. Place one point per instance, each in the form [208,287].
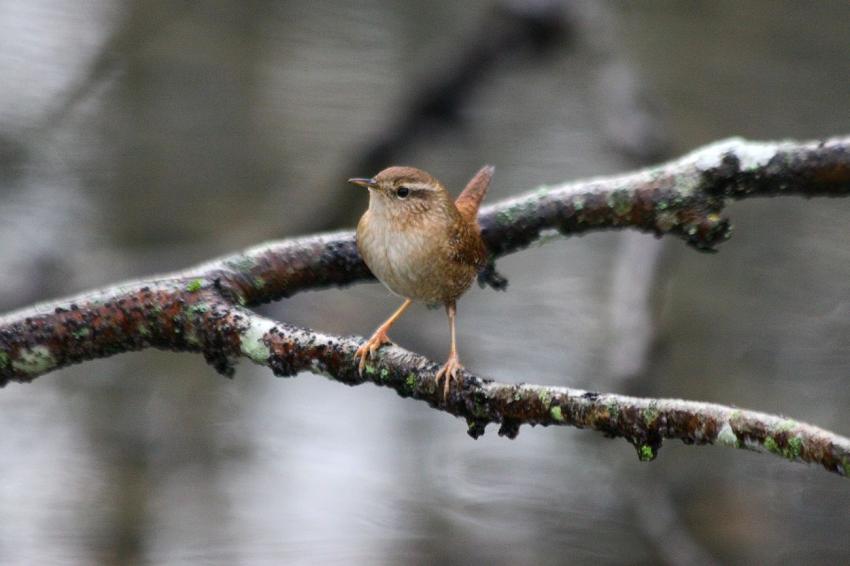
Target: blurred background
[142,136]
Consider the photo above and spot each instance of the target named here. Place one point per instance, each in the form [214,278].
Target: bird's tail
[470,199]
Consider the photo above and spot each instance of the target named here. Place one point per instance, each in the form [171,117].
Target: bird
[423,246]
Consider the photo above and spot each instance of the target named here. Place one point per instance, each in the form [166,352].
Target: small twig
[199,310]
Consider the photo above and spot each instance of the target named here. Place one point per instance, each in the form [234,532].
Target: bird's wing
[466,245]
[470,199]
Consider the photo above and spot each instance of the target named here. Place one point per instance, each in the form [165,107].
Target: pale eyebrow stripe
[418,186]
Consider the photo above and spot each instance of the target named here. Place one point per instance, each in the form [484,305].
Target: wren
[422,246]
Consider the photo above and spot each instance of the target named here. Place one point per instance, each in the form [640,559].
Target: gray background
[143,136]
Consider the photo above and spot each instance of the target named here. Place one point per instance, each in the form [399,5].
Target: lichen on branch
[203,309]
[683,198]
[645,423]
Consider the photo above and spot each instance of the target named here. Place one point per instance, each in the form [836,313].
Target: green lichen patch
[646,453]
[508,216]
[620,202]
[556,414]
[480,410]
[545,397]
[771,445]
[4,360]
[241,263]
[81,333]
[789,447]
[578,203]
[727,437]
[650,414]
[795,448]
[665,221]
[35,360]
[430,386]
[542,191]
[410,382]
[194,285]
[199,308]
[251,342]
[792,450]
[613,410]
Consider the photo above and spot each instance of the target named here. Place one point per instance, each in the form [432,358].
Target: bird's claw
[369,348]
[448,373]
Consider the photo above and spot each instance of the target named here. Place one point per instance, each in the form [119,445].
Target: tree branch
[643,422]
[683,198]
[202,309]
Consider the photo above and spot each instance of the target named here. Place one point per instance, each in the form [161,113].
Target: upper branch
[683,197]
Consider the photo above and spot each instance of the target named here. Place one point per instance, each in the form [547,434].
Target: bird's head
[405,193]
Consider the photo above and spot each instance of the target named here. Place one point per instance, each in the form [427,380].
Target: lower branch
[202,309]
[645,423]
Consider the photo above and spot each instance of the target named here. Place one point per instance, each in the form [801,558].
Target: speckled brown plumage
[421,245]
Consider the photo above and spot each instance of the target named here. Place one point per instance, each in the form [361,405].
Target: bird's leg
[449,372]
[379,338]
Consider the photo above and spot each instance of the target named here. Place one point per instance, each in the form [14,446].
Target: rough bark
[203,309]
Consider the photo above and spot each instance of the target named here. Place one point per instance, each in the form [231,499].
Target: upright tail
[470,199]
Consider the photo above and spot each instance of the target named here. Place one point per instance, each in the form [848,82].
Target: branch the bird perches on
[204,309]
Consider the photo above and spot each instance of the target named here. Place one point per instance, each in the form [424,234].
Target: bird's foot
[370,347]
[448,373]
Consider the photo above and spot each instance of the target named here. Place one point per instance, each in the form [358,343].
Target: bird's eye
[402,192]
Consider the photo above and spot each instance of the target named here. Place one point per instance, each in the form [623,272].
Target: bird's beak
[367,183]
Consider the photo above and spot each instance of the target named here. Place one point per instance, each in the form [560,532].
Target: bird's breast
[414,262]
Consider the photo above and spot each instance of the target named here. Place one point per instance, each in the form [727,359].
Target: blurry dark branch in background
[528,29]
[202,309]
[637,131]
[104,66]
[139,24]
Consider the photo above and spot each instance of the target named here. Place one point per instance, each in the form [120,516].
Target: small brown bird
[421,246]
